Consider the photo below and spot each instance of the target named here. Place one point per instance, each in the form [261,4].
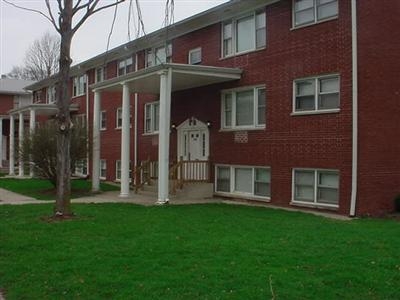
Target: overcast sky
[19,28]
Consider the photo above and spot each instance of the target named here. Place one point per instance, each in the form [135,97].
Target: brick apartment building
[291,102]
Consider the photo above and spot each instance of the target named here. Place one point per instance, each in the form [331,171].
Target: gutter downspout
[135,140]
[87,127]
[354,109]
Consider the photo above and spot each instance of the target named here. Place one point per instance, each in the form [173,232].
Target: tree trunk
[63,200]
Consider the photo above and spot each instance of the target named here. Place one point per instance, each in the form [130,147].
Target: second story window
[244,108]
[313,11]
[317,94]
[51,94]
[151,117]
[103,120]
[195,56]
[79,85]
[101,74]
[118,124]
[159,55]
[244,34]
[125,66]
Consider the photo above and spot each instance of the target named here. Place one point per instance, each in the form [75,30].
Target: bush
[397,203]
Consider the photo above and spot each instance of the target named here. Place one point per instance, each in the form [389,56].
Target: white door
[194,145]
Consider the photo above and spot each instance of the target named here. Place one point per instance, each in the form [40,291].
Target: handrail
[141,175]
[189,171]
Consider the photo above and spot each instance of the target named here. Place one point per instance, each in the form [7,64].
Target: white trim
[316,21]
[105,162]
[316,171]
[232,179]
[153,118]
[354,168]
[101,120]
[316,80]
[83,87]
[193,51]
[116,118]
[186,127]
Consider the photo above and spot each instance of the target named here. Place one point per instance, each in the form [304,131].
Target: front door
[195,149]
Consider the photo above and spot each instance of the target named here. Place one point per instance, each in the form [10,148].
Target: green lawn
[43,190]
[122,251]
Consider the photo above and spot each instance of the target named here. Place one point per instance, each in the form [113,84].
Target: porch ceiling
[183,77]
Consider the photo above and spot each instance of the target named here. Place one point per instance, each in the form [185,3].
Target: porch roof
[183,77]
[41,109]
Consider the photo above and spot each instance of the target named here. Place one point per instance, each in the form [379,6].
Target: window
[103,120]
[244,108]
[125,66]
[81,168]
[195,56]
[51,94]
[118,170]
[159,55]
[317,94]
[244,34]
[151,117]
[103,169]
[316,187]
[238,180]
[119,118]
[79,85]
[101,74]
[313,11]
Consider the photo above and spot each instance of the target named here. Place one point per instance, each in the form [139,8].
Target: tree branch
[51,15]
[32,10]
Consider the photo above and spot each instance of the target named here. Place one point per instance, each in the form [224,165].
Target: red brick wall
[6,103]
[379,105]
[312,141]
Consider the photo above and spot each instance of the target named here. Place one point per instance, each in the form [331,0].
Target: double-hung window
[118,124]
[79,85]
[101,74]
[247,33]
[244,108]
[195,56]
[151,117]
[159,55]
[317,94]
[103,169]
[125,66]
[118,170]
[81,167]
[51,94]
[313,11]
[242,180]
[316,187]
[103,120]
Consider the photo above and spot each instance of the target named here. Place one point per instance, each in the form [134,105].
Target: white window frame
[316,20]
[232,192]
[234,37]
[103,72]
[233,93]
[80,170]
[316,109]
[51,94]
[118,162]
[151,55]
[79,85]
[103,118]
[103,167]
[315,202]
[153,117]
[124,61]
[118,116]
[191,52]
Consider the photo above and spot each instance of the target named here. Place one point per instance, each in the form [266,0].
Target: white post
[1,142]
[96,142]
[20,141]
[12,146]
[125,142]
[32,124]
[163,136]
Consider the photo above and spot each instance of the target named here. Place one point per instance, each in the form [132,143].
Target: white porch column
[32,124]
[163,136]
[12,146]
[96,142]
[20,141]
[125,141]
[1,142]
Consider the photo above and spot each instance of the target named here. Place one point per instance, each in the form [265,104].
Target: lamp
[208,123]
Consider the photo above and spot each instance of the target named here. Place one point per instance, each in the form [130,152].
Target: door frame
[189,125]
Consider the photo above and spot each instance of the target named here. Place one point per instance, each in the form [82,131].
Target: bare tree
[67,18]
[41,59]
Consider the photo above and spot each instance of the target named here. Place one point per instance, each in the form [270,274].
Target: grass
[43,190]
[122,251]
